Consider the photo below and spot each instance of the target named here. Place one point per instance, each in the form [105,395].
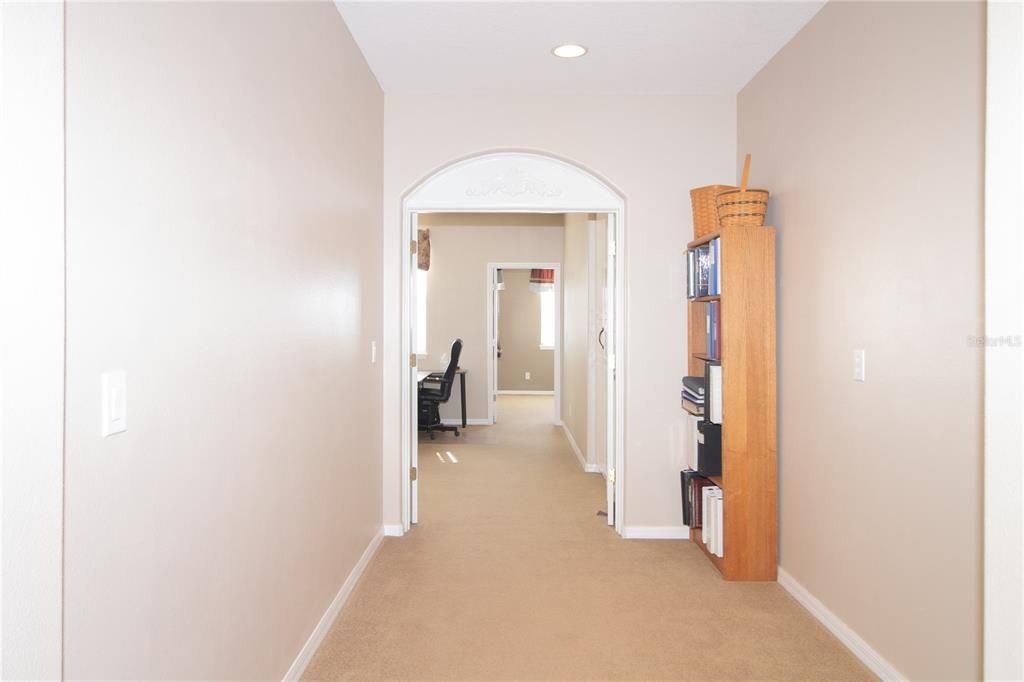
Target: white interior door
[598,343]
[605,376]
[494,340]
[413,381]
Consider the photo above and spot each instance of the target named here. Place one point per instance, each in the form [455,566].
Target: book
[697,485]
[716,273]
[692,407]
[690,395]
[686,477]
[719,523]
[695,384]
[713,267]
[714,395]
[712,528]
[711,323]
[712,521]
[705,506]
[701,269]
[691,283]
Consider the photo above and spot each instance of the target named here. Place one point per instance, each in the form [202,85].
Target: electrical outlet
[526,375]
[859,369]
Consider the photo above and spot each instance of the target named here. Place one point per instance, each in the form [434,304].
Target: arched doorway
[515,182]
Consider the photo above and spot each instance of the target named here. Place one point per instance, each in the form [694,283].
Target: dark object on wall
[423,249]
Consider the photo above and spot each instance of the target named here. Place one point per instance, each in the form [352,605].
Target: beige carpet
[512,575]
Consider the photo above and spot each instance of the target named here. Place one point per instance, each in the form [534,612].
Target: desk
[423,374]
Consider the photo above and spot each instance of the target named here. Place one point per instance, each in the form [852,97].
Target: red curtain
[542,279]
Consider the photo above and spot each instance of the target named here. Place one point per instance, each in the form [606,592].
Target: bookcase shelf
[746,329]
[703,240]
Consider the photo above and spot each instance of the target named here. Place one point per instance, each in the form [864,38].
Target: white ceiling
[490,47]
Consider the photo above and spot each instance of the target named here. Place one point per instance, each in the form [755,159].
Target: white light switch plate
[859,369]
[115,403]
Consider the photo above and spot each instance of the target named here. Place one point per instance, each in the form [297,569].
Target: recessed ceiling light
[570,51]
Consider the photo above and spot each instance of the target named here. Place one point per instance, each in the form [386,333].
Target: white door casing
[1004,327]
[514,182]
[413,402]
[614,441]
[493,324]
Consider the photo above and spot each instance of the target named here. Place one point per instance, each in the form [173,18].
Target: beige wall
[224,194]
[575,327]
[31,338]
[653,149]
[461,246]
[867,128]
[519,332]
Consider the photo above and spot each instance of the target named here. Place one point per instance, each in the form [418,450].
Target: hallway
[512,574]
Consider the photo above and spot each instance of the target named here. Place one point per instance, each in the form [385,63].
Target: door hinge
[412,359]
[611,248]
[414,246]
[611,475]
[412,473]
[611,362]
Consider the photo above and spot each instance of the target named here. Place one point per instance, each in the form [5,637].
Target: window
[547,320]
[421,312]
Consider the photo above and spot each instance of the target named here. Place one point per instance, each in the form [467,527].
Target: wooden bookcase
[747,356]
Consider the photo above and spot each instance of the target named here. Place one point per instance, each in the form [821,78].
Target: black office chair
[431,398]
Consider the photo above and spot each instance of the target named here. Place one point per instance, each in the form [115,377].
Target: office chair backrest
[449,373]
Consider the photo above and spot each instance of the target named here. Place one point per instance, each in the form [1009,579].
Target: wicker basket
[705,210]
[740,207]
[743,207]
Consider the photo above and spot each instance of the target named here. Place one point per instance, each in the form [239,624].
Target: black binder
[709,448]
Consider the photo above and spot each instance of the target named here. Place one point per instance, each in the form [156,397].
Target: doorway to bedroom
[525,338]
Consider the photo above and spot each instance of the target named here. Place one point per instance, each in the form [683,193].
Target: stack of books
[704,276]
[712,531]
[693,395]
[703,508]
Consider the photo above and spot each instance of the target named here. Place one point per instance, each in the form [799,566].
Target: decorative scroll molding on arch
[514,181]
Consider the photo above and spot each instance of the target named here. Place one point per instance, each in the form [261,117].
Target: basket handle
[746,173]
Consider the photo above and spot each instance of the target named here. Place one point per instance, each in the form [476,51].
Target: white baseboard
[843,632]
[395,531]
[526,392]
[656,532]
[594,469]
[469,422]
[308,650]
[574,446]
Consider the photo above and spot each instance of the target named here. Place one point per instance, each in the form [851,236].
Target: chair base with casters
[430,419]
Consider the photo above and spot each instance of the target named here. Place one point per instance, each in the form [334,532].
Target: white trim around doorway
[517,181]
